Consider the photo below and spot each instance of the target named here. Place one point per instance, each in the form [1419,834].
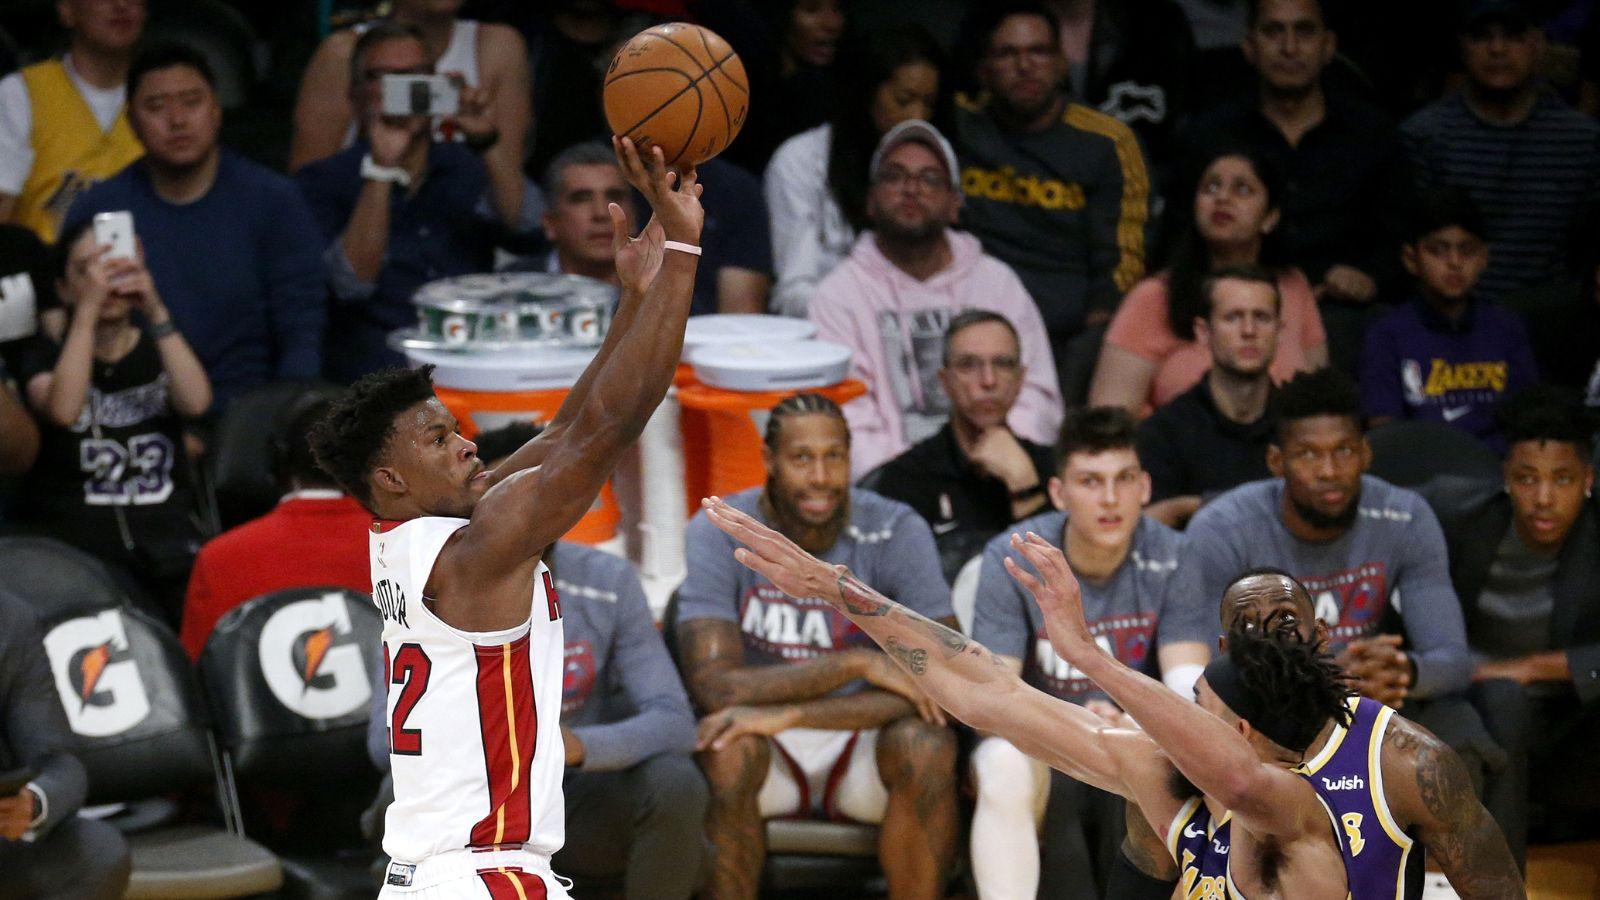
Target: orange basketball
[678,86]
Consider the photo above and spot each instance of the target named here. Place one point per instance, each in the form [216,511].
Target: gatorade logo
[310,659]
[95,674]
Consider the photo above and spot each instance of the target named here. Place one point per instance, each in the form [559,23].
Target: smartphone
[420,95]
[115,230]
[15,780]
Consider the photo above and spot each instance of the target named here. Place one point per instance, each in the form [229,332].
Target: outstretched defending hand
[775,557]
[674,197]
[1059,596]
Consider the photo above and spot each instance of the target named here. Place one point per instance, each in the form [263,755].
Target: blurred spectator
[46,848]
[737,242]
[975,476]
[1530,162]
[579,186]
[1525,559]
[19,436]
[1214,436]
[1358,544]
[1339,158]
[231,243]
[817,182]
[1126,564]
[491,59]
[112,476]
[797,76]
[27,289]
[62,121]
[803,716]
[1447,356]
[1130,59]
[316,536]
[396,209]
[570,44]
[892,299]
[1056,190]
[1151,354]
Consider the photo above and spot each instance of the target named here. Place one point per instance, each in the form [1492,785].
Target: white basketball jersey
[474,719]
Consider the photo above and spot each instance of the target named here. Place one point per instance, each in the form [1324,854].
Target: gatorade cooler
[737,328]
[725,408]
[485,390]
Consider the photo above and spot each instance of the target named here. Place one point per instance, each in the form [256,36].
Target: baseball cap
[1510,13]
[923,133]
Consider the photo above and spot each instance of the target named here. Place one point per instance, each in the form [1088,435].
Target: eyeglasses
[931,180]
[968,366]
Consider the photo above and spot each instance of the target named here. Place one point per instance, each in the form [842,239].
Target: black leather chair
[288,676]
[1409,453]
[241,466]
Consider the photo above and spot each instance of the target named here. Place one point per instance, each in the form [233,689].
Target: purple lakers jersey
[1348,774]
[1200,847]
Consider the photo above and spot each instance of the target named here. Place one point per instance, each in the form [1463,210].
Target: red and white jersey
[474,719]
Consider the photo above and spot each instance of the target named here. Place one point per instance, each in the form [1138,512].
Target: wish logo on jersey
[95,674]
[577,675]
[1127,637]
[1351,602]
[311,660]
[777,624]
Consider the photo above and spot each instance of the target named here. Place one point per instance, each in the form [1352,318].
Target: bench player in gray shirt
[803,714]
[1127,563]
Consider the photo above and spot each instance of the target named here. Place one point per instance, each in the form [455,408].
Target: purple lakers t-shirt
[1123,611]
[886,544]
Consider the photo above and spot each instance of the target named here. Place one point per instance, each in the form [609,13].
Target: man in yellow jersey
[63,124]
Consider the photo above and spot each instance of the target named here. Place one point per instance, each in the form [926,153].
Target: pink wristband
[681,247]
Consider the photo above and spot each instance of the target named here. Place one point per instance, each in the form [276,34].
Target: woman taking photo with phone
[112,477]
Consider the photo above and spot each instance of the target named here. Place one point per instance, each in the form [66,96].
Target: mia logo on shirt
[793,629]
[1125,637]
[1350,601]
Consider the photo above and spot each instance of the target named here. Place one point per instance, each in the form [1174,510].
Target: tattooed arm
[1430,794]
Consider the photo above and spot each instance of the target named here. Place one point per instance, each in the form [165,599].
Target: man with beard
[1214,436]
[892,299]
[1056,189]
[1361,546]
[803,715]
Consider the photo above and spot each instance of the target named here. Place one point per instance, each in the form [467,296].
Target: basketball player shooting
[472,624]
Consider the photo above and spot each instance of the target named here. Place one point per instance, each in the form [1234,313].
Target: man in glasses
[892,300]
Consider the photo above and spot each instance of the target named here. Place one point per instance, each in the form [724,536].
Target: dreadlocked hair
[350,439]
[1294,677]
[807,404]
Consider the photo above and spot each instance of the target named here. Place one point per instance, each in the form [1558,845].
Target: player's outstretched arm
[1214,757]
[963,676]
[1427,787]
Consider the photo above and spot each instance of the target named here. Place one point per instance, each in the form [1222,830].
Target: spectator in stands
[1358,544]
[113,475]
[797,74]
[1056,190]
[231,243]
[790,691]
[63,122]
[1530,162]
[1525,558]
[1339,158]
[1447,356]
[46,848]
[1214,436]
[579,186]
[817,182]
[27,289]
[19,436]
[975,476]
[1151,354]
[491,59]
[397,208]
[891,301]
[1127,566]
[316,536]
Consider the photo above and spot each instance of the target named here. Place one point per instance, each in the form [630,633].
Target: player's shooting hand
[882,673]
[775,557]
[638,259]
[1058,594]
[674,196]
[720,729]
[16,813]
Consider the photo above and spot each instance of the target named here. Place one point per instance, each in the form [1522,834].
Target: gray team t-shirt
[1123,611]
[1392,558]
[887,545]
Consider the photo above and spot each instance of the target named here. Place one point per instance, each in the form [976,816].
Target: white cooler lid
[795,365]
[509,371]
[743,328]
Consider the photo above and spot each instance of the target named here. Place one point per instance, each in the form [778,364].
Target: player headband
[1226,682]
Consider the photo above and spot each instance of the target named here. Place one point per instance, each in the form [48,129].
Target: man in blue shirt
[230,243]
[1447,356]
[396,209]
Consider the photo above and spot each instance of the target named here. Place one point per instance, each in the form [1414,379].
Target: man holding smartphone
[46,848]
[398,208]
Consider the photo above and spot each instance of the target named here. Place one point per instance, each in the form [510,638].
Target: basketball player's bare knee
[914,752]
[1001,772]
[737,771]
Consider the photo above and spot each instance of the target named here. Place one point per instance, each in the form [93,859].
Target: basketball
[680,87]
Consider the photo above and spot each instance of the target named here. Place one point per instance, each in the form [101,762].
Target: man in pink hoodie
[891,300]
